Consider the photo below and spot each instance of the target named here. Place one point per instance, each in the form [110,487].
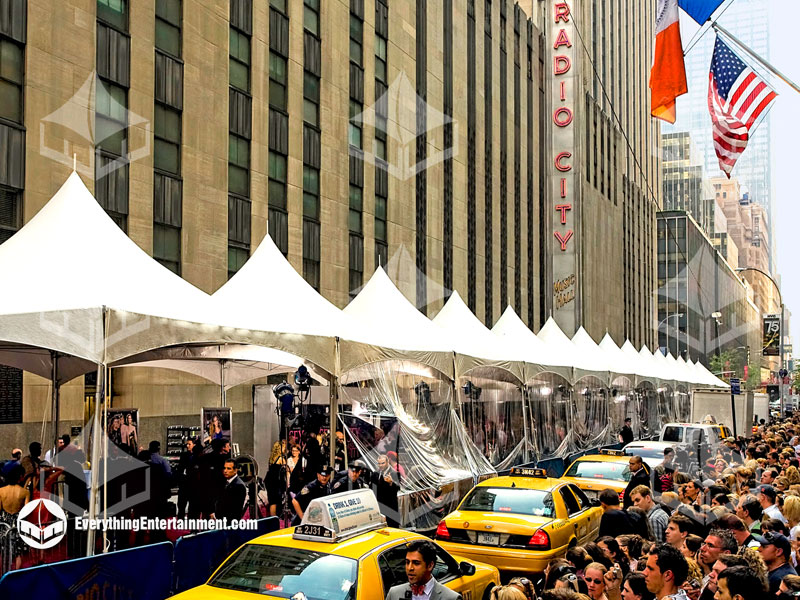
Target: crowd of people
[299,473]
[727,530]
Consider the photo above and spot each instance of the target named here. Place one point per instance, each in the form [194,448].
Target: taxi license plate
[488,539]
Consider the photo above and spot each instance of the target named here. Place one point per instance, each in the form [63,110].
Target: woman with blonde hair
[792,475]
[791,510]
[507,592]
[595,577]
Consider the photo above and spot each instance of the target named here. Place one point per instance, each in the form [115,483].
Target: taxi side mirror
[466,569]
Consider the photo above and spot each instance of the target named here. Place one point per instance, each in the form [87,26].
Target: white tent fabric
[643,370]
[665,371]
[513,331]
[40,362]
[618,362]
[589,356]
[707,377]
[268,294]
[229,365]
[651,364]
[391,328]
[475,345]
[557,344]
[687,375]
[68,263]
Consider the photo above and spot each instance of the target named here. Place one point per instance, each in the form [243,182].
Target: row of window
[311,141]
[13,28]
[356,197]
[111,109]
[167,135]
[239,135]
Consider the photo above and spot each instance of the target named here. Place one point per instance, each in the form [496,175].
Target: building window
[311,99]
[167,133]
[114,13]
[380,58]
[354,125]
[238,165]
[10,212]
[311,16]
[12,69]
[277,81]
[472,226]
[356,39]
[240,60]
[168,26]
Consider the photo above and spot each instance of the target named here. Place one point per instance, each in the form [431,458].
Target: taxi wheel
[488,592]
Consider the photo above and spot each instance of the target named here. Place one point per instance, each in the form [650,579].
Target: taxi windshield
[517,501]
[283,572]
[616,471]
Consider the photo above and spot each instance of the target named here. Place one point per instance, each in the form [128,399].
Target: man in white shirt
[766,497]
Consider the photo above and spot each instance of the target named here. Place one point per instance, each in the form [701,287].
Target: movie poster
[123,429]
[216,424]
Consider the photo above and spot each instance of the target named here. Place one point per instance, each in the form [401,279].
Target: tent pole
[93,491]
[55,399]
[222,398]
[525,431]
[334,410]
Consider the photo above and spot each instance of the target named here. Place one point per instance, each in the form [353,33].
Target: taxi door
[577,517]
[588,515]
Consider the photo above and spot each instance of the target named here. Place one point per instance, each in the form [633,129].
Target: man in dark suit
[640,475]
[626,433]
[614,521]
[230,504]
[420,560]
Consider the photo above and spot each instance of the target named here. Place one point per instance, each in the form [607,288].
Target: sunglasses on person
[595,581]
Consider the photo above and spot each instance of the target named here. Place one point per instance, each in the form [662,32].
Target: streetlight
[780,341]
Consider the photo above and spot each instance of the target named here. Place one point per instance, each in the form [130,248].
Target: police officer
[350,480]
[316,489]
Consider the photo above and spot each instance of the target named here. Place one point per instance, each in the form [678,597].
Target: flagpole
[720,29]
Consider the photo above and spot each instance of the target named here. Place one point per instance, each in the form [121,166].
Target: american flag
[737,97]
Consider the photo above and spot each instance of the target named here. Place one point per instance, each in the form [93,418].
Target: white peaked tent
[476,346]
[391,328]
[651,363]
[513,331]
[666,373]
[589,356]
[642,369]
[268,294]
[557,345]
[687,374]
[618,362]
[84,288]
[708,378]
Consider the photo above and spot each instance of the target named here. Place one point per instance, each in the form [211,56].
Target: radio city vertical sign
[563,181]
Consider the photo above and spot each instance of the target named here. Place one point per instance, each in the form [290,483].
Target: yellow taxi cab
[595,472]
[342,550]
[520,522]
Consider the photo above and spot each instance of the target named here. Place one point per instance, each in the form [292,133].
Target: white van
[692,435]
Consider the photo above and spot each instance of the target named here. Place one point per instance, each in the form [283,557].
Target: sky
[785,122]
